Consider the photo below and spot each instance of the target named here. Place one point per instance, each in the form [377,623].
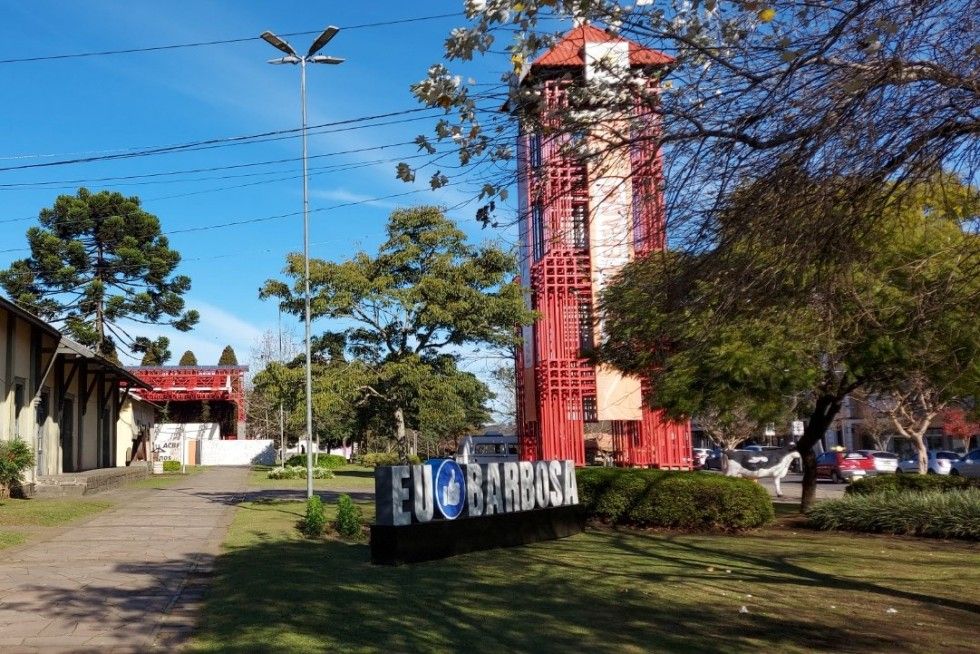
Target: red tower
[579,224]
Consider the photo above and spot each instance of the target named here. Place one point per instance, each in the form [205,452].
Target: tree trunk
[920,449]
[823,414]
[400,438]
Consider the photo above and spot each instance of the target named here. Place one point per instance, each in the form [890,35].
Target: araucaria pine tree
[98,260]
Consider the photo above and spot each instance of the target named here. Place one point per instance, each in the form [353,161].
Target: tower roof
[570,50]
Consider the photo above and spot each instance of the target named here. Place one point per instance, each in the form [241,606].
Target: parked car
[699,455]
[844,467]
[938,462]
[884,461]
[967,466]
[489,448]
[713,462]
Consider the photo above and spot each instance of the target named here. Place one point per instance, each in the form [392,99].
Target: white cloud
[217,328]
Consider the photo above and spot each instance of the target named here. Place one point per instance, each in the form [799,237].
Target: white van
[491,448]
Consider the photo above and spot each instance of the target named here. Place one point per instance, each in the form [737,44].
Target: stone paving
[127,580]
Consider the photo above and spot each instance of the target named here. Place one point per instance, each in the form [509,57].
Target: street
[793,488]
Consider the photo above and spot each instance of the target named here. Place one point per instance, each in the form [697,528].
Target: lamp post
[311,58]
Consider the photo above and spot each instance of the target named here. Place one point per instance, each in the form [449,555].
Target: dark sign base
[440,539]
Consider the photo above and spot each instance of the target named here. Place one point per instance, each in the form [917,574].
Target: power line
[199,44]
[247,139]
[217,142]
[188,171]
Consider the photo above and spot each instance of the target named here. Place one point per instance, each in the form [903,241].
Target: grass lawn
[348,478]
[166,479]
[47,513]
[11,538]
[601,591]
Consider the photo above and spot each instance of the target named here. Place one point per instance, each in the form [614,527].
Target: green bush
[907,482]
[675,500]
[349,517]
[171,466]
[16,457]
[375,459]
[299,472]
[315,520]
[328,461]
[935,513]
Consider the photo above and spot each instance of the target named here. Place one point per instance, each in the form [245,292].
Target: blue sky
[90,105]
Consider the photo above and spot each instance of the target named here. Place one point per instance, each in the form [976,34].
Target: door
[971,465]
[825,464]
[66,426]
[41,417]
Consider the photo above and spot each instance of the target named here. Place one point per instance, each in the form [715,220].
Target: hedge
[171,466]
[935,513]
[329,461]
[676,500]
[299,472]
[906,482]
[375,459]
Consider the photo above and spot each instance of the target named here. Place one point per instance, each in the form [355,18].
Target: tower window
[590,409]
[537,225]
[534,150]
[580,227]
[586,339]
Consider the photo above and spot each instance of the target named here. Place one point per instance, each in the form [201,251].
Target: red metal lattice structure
[556,383]
[196,384]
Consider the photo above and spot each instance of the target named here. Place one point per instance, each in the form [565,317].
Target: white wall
[238,453]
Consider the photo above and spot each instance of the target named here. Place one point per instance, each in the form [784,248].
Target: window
[580,227]
[534,150]
[590,409]
[537,226]
[18,405]
[586,340]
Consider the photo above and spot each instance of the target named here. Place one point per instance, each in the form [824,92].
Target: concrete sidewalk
[128,580]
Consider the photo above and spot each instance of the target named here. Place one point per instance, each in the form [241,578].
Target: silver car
[939,462]
[967,466]
[884,461]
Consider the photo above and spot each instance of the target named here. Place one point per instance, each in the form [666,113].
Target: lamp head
[277,43]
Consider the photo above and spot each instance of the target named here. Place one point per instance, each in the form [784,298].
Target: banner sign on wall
[447,490]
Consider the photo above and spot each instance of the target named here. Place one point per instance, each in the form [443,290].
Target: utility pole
[313,58]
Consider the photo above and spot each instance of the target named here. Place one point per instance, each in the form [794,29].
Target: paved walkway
[127,580]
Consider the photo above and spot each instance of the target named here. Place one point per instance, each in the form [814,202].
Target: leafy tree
[188,359]
[902,309]
[425,294]
[157,352]
[874,90]
[228,357]
[98,260]
[958,425]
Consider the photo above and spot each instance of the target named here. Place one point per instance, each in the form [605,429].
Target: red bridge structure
[199,394]
[579,223]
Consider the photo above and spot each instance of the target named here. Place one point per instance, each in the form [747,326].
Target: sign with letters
[445,489]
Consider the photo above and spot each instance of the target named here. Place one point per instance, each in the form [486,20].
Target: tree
[957,424]
[157,352]
[187,359]
[874,90]
[228,357]
[425,294]
[876,422]
[504,377]
[96,261]
[902,310]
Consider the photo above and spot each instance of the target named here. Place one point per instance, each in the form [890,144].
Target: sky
[84,106]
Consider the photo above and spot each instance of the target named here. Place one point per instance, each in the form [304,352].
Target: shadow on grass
[315,596]
[363,474]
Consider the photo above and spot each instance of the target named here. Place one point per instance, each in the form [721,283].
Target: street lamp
[311,58]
